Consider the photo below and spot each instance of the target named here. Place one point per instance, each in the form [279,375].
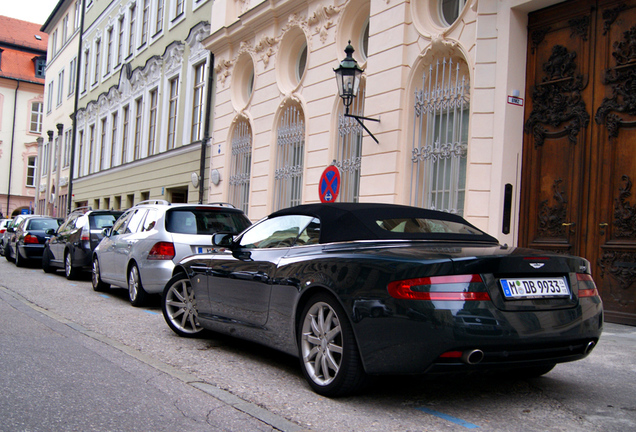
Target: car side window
[135,221]
[278,232]
[120,225]
[150,221]
[311,234]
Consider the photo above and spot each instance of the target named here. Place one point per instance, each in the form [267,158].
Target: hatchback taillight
[86,233]
[162,251]
[587,287]
[31,239]
[441,288]
[2,230]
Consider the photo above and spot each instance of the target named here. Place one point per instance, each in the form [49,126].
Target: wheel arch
[303,300]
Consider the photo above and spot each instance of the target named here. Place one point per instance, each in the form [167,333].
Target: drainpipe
[206,128]
[74,115]
[15,104]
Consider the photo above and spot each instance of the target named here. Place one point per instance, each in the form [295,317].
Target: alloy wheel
[180,307]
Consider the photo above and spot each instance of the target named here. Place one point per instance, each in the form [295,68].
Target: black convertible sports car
[356,289]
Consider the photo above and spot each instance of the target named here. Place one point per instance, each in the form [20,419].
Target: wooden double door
[579,150]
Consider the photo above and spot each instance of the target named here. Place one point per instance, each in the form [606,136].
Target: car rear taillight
[31,239]
[162,251]
[442,288]
[2,230]
[86,233]
[587,287]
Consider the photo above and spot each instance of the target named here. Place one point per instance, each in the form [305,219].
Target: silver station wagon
[142,248]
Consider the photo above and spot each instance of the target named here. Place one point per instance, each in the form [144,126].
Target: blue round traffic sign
[329,184]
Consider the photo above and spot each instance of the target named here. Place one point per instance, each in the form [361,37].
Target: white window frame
[39,117]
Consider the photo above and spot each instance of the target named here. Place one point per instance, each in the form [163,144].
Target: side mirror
[107,231]
[11,229]
[223,239]
[50,231]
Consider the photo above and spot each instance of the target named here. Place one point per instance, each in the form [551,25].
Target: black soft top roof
[358,221]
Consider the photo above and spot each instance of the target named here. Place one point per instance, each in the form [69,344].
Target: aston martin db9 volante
[358,289]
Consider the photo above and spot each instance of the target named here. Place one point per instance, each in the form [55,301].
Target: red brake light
[162,251]
[443,288]
[587,287]
[86,234]
[31,239]
[2,230]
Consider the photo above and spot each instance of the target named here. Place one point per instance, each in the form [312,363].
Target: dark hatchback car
[72,244]
[28,238]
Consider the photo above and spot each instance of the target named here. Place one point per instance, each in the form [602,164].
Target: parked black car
[71,245]
[9,232]
[27,239]
[356,289]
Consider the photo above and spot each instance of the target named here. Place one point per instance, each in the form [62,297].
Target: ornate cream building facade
[437,74]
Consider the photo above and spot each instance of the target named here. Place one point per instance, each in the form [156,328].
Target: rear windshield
[420,225]
[103,220]
[43,224]
[205,221]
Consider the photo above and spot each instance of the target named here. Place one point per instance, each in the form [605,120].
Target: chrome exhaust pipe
[590,346]
[472,357]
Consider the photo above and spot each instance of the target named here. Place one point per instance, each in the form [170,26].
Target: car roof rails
[155,201]
[221,204]
[83,209]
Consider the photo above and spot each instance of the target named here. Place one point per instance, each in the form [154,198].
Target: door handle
[567,224]
[603,225]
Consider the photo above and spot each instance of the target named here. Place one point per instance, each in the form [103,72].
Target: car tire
[179,307]
[46,261]
[136,293]
[328,352]
[70,271]
[96,278]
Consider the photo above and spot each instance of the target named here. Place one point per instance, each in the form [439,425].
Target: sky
[35,11]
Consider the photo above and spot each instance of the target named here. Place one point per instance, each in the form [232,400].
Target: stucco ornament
[173,56]
[222,70]
[266,47]
[439,47]
[323,19]
[196,36]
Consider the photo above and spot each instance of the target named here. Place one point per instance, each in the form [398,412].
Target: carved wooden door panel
[557,118]
[579,158]
[612,223]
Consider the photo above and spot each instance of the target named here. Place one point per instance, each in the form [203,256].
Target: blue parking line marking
[104,295]
[151,312]
[449,418]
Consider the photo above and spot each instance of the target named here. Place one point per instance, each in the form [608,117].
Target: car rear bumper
[431,341]
[31,251]
[155,275]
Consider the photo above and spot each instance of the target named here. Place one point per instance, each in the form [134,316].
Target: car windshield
[421,225]
[204,221]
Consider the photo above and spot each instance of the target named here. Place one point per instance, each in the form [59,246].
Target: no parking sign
[329,184]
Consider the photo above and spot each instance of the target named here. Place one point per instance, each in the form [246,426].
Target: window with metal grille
[349,156]
[440,138]
[240,168]
[290,151]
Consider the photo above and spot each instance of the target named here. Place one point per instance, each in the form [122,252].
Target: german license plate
[204,250]
[535,288]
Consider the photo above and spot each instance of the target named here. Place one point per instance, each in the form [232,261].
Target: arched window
[240,168]
[349,152]
[290,151]
[440,137]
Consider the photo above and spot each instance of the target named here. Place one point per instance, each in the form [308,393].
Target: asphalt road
[75,359]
